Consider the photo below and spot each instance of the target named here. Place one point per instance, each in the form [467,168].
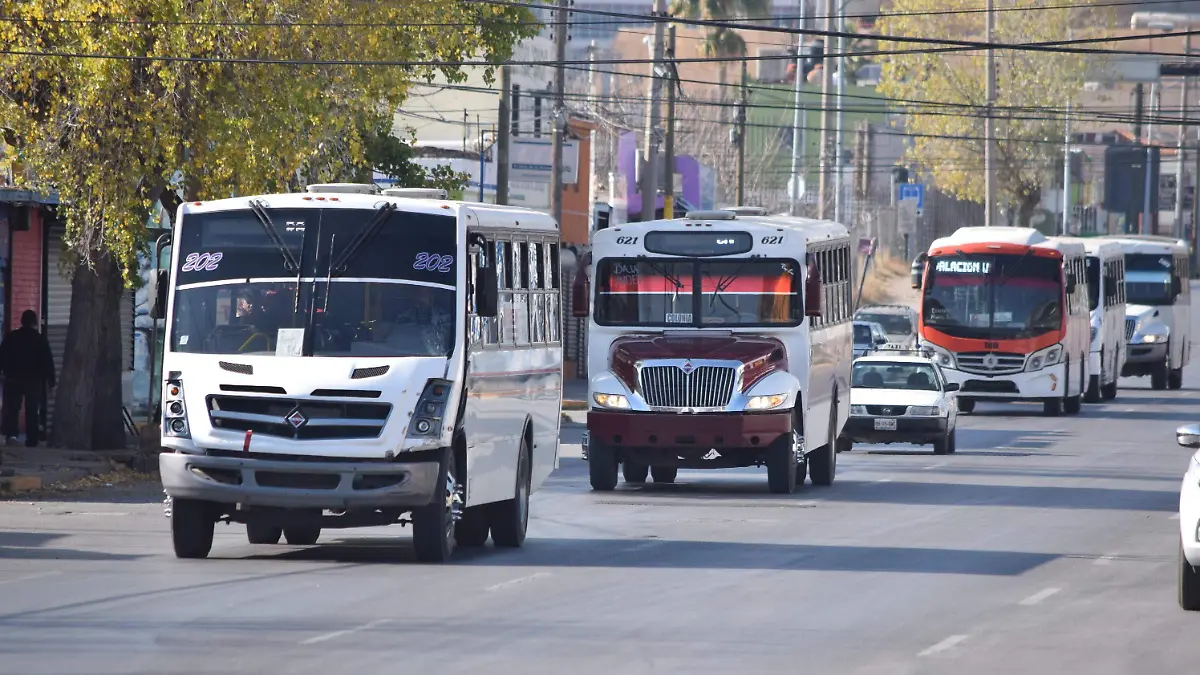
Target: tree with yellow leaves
[119,105]
[945,96]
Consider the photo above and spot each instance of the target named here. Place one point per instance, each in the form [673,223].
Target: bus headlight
[613,401]
[938,355]
[1152,335]
[174,421]
[766,402]
[431,410]
[1046,357]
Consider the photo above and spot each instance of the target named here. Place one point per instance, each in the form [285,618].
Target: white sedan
[902,399]
[1189,522]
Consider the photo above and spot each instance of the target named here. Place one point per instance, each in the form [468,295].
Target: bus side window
[521,291]
[554,298]
[504,273]
[537,295]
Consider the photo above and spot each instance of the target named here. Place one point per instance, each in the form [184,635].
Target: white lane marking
[1039,596]
[1104,560]
[30,577]
[884,480]
[1174,516]
[1129,410]
[340,633]
[943,645]
[935,466]
[514,582]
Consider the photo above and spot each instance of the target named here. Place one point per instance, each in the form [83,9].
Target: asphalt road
[1046,545]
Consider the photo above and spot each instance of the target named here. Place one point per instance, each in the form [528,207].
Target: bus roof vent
[746,210]
[345,188]
[723,214]
[417,193]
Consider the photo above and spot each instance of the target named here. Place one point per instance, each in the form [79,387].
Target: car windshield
[699,293]
[894,375]
[238,293]
[1148,279]
[862,334]
[1001,296]
[1093,281]
[893,324]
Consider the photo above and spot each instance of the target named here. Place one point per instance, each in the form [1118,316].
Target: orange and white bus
[1004,311]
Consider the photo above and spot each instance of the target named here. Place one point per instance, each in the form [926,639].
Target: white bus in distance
[1105,273]
[1158,309]
[341,358]
[717,340]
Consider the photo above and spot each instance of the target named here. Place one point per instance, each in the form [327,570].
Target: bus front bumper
[301,484]
[699,430]
[1040,384]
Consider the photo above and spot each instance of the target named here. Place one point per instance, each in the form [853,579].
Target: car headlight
[766,402]
[924,411]
[1047,357]
[615,401]
[858,410]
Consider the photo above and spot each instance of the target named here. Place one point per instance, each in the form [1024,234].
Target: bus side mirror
[581,292]
[812,291]
[156,293]
[1071,283]
[487,289]
[918,270]
[951,386]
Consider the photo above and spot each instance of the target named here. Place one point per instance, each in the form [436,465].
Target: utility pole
[838,148]
[741,146]
[648,185]
[1066,200]
[826,120]
[989,125]
[503,136]
[669,163]
[1178,228]
[797,119]
[559,119]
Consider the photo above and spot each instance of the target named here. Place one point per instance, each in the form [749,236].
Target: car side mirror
[487,289]
[1188,435]
[156,293]
[951,386]
[581,292]
[812,291]
[881,341]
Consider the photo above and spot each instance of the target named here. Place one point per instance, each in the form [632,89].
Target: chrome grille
[1130,328]
[888,410]
[298,418]
[991,363]
[704,387]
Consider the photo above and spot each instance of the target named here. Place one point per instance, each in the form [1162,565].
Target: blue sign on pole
[913,191]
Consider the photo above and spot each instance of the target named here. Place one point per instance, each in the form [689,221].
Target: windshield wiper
[671,278]
[290,263]
[364,235]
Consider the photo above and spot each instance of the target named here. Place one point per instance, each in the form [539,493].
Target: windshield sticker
[963,266]
[679,317]
[289,342]
[433,262]
[183,339]
[196,262]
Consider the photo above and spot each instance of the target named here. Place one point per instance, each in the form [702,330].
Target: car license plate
[885,424]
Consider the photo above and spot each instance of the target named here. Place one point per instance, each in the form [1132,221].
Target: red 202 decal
[197,262]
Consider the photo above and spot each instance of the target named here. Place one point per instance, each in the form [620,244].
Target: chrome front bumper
[299,484]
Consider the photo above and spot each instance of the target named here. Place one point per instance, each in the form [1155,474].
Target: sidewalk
[27,469]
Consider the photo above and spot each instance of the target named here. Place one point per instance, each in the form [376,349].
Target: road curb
[574,405]
[20,484]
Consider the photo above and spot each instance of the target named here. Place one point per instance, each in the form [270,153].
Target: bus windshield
[993,296]
[673,292]
[1148,279]
[1093,281]
[237,292]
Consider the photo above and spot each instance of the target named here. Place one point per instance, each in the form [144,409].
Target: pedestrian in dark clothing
[27,367]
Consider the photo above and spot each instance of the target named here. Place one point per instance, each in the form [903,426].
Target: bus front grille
[703,387]
[989,363]
[1130,328]
[300,419]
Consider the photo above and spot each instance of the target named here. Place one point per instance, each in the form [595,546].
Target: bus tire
[257,533]
[1093,389]
[953,443]
[302,535]
[602,466]
[1108,391]
[1072,404]
[1189,584]
[1175,379]
[822,462]
[781,464]
[510,518]
[633,472]
[434,524]
[473,528]
[1052,407]
[966,405]
[192,525]
[664,474]
[1158,376]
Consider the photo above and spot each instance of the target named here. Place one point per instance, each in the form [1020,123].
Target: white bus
[1105,273]
[1004,310]
[718,340]
[340,358]
[1158,310]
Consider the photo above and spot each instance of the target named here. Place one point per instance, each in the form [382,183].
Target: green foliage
[186,93]
[1031,87]
[721,41]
